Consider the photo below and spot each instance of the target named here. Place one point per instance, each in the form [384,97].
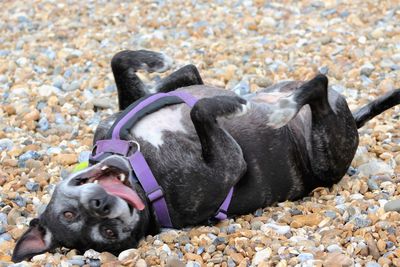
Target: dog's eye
[82,181]
[110,233]
[69,215]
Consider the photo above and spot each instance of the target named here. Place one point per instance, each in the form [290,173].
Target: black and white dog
[274,145]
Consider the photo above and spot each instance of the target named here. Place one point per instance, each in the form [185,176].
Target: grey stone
[334,248]
[305,257]
[43,124]
[393,205]
[32,186]
[367,69]
[242,88]
[102,103]
[372,185]
[6,144]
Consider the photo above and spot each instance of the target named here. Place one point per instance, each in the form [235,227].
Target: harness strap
[117,145]
[222,212]
[153,190]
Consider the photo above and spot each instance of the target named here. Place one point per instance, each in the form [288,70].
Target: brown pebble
[107,257]
[12,216]
[141,263]
[34,164]
[194,257]
[169,236]
[237,257]
[396,262]
[52,101]
[3,180]
[337,259]
[16,232]
[372,248]
[34,115]
[65,159]
[4,259]
[381,245]
[383,261]
[10,162]
[306,220]
[9,109]
[111,264]
[174,261]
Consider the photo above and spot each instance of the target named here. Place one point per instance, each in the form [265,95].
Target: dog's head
[101,207]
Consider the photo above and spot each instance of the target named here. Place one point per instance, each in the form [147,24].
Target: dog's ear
[36,240]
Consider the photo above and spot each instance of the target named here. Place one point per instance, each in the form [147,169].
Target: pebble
[372,185]
[128,254]
[374,167]
[102,103]
[337,259]
[78,262]
[305,257]
[33,115]
[242,88]
[393,205]
[43,124]
[74,85]
[261,256]
[279,229]
[367,69]
[141,263]
[46,90]
[84,156]
[372,264]
[6,144]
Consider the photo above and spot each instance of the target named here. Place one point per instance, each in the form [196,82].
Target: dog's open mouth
[113,180]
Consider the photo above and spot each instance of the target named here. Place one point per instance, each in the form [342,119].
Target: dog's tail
[376,107]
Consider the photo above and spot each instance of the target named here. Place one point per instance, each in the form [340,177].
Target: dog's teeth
[104,168]
[96,181]
[122,177]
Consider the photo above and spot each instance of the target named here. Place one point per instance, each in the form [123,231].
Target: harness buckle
[155,194]
[225,212]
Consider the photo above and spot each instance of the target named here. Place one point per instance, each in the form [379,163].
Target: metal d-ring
[135,143]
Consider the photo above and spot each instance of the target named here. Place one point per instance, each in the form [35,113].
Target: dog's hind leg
[130,88]
[332,136]
[333,139]
[332,132]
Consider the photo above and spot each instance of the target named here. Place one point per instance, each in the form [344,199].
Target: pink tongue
[114,186]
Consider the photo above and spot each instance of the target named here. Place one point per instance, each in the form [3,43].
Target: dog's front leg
[185,76]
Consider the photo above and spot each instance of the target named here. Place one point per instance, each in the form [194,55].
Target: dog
[277,144]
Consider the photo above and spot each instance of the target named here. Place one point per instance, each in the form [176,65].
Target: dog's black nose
[101,204]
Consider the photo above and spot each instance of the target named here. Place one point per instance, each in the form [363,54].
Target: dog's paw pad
[160,63]
[242,110]
[166,64]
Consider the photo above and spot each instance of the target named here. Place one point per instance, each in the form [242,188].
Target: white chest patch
[152,127]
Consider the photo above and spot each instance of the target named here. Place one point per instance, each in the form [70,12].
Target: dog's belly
[153,127]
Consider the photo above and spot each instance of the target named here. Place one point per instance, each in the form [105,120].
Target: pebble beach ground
[56,85]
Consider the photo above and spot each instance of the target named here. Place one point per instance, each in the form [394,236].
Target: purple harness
[117,144]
